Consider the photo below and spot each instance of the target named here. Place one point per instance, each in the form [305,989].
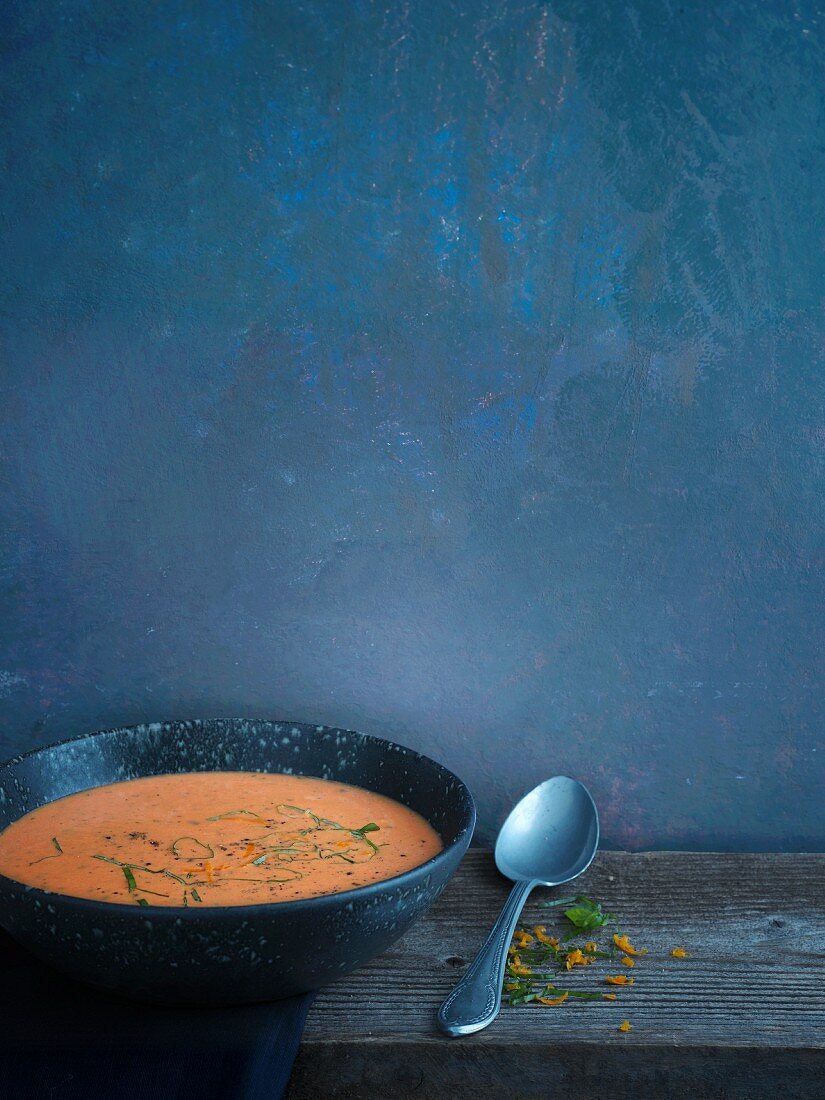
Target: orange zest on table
[540,933]
[576,958]
[543,952]
[553,1000]
[624,944]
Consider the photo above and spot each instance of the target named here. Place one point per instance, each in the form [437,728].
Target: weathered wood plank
[742,1017]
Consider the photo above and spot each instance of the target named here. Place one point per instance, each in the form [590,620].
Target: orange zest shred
[521,939]
[517,967]
[576,958]
[625,1025]
[608,996]
[510,986]
[628,960]
[207,869]
[591,945]
[540,933]
[624,944]
[619,979]
[679,953]
[553,1000]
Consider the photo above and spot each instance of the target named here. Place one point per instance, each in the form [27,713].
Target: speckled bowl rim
[176,912]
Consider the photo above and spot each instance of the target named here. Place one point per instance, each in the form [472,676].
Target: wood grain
[743,1017]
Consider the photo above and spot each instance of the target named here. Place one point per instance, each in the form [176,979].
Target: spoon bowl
[549,838]
[551,835]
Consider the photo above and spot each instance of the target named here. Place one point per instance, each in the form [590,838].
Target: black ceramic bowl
[239,953]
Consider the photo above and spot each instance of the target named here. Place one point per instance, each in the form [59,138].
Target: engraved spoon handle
[476,1000]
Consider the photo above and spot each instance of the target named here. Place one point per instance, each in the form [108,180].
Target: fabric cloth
[60,1040]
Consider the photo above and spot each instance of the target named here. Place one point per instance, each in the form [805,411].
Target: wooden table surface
[743,1017]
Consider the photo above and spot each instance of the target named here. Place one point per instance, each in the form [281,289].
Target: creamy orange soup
[215,838]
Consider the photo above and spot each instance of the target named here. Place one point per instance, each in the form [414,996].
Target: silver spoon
[550,837]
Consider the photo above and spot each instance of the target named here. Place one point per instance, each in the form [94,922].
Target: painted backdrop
[448,370]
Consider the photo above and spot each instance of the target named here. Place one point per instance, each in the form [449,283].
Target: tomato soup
[215,838]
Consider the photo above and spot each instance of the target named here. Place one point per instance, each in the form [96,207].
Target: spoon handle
[476,1000]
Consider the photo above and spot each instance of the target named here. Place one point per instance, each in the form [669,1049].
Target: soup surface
[215,838]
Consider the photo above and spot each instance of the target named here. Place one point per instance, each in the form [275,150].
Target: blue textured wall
[452,371]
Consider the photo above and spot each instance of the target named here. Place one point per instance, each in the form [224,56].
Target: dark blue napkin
[60,1040]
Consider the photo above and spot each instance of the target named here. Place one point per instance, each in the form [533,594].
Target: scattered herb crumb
[535,958]
[586,916]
